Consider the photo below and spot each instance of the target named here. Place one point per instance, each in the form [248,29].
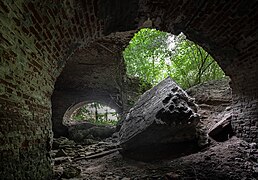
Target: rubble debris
[222,130]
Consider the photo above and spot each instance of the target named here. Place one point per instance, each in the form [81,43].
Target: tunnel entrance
[41,40]
[89,122]
[96,113]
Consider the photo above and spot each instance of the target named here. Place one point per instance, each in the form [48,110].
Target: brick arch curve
[74,107]
[94,72]
[73,100]
[38,37]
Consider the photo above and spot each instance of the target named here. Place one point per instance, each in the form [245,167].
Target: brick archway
[71,109]
[74,100]
[94,72]
[38,38]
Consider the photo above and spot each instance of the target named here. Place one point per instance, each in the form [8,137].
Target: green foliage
[145,55]
[192,65]
[96,113]
[153,55]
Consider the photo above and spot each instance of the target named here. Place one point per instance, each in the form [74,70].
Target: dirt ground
[234,159]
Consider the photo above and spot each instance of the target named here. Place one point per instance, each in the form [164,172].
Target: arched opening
[37,39]
[92,112]
[153,55]
[90,121]
[93,73]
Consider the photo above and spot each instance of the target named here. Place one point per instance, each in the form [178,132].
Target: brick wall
[37,37]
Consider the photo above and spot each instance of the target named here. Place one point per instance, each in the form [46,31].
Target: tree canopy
[153,55]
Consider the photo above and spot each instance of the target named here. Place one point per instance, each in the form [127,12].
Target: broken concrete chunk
[162,122]
[222,130]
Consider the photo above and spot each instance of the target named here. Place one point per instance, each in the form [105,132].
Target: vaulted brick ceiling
[37,38]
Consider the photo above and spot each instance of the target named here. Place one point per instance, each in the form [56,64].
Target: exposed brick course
[38,37]
[35,44]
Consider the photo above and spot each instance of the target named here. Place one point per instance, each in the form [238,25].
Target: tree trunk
[96,112]
[106,115]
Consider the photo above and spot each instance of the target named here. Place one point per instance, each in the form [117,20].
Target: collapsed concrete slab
[222,130]
[162,122]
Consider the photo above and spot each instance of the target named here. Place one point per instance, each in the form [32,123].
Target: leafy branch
[150,57]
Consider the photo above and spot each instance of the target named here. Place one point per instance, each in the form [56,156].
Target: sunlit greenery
[96,113]
[153,55]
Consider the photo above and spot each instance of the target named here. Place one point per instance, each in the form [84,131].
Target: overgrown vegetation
[153,55]
[96,113]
